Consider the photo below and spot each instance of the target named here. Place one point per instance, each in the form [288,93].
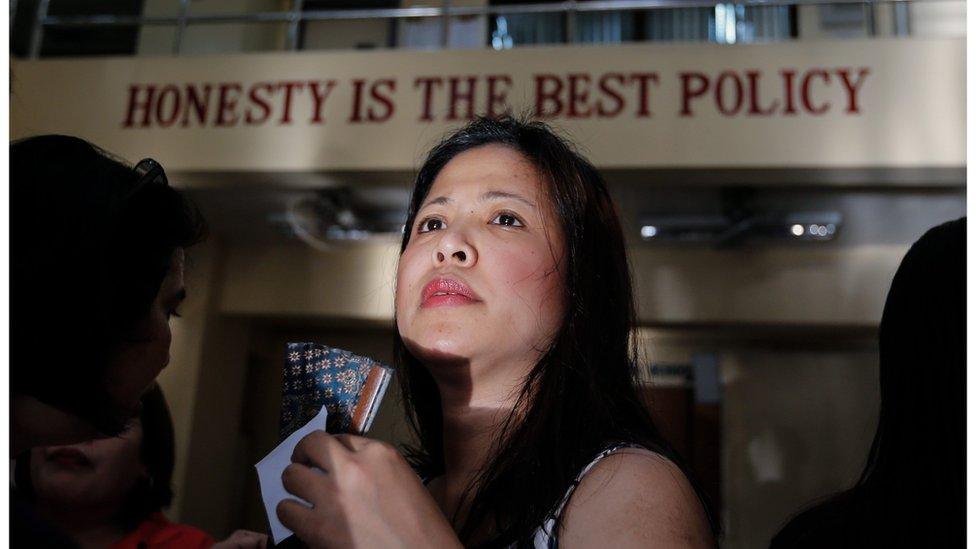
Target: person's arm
[635,498]
[241,539]
[364,494]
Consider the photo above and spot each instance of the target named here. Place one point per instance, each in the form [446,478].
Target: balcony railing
[721,17]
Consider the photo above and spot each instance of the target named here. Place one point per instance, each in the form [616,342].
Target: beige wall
[180,380]
[295,280]
[788,285]
[797,426]
[216,464]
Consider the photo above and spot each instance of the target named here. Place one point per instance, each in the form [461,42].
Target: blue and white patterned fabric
[318,375]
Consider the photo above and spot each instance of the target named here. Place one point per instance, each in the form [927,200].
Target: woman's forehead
[489,166]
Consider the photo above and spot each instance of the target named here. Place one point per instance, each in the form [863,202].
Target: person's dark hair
[157,452]
[912,491]
[582,394]
[88,254]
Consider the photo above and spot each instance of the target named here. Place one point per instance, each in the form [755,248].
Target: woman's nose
[454,249]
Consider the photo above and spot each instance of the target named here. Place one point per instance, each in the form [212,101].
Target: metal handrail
[433,11]
[181,27]
[296,15]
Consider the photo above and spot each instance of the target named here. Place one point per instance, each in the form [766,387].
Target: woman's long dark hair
[88,254]
[582,394]
[158,453]
[912,491]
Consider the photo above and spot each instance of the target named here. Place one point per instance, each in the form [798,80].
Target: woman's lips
[68,458]
[446,292]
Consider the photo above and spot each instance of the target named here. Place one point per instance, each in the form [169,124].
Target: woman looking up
[514,313]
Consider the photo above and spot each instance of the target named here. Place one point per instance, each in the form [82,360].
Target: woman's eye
[507,220]
[431,224]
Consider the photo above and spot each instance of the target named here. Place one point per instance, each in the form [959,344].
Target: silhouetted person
[96,273]
[912,492]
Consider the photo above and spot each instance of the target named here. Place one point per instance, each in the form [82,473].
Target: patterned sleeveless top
[546,537]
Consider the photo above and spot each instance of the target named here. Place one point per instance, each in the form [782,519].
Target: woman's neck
[469,434]
[477,398]
[100,536]
[470,431]
[89,528]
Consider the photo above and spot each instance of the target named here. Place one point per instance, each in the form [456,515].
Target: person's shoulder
[189,536]
[635,498]
[168,534]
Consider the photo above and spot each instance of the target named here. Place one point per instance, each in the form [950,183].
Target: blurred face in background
[98,475]
[480,278]
[137,361]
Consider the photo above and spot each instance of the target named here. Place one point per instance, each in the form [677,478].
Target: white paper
[271,467]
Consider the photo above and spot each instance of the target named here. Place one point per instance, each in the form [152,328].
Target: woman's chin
[438,351]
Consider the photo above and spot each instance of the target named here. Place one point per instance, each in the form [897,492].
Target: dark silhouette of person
[912,492]
[96,274]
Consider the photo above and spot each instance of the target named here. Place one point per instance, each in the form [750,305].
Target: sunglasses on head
[150,173]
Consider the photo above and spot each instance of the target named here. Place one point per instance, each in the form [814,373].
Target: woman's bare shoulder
[635,498]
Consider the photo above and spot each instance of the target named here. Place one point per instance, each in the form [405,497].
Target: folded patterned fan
[349,386]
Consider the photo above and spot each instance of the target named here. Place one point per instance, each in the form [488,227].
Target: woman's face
[480,278]
[98,474]
[136,362]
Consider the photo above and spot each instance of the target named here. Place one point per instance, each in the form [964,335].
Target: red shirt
[156,532]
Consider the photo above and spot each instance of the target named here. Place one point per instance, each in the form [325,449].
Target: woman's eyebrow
[501,195]
[440,200]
